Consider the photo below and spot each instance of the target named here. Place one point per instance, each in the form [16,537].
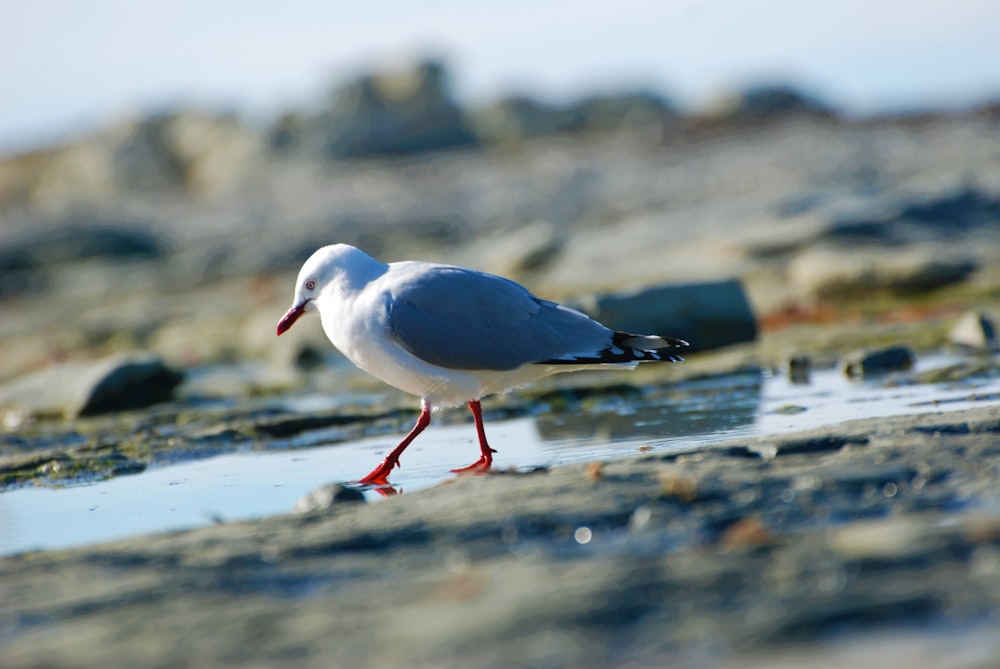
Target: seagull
[452,335]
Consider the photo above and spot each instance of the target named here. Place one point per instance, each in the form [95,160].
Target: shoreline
[759,546]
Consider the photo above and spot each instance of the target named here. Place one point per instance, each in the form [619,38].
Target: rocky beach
[143,268]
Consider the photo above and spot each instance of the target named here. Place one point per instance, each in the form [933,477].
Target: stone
[612,112]
[188,152]
[799,368]
[708,315]
[324,497]
[831,272]
[518,118]
[863,364]
[90,388]
[975,331]
[944,217]
[28,259]
[767,101]
[392,112]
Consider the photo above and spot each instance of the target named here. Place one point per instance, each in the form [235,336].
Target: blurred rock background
[179,231]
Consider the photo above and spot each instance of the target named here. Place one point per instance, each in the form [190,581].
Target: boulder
[708,315]
[190,152]
[27,260]
[612,112]
[387,113]
[90,388]
[770,101]
[833,272]
[520,117]
[945,217]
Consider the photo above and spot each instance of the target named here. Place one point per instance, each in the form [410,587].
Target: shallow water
[248,485]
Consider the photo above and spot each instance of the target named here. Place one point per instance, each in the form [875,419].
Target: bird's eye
[310,285]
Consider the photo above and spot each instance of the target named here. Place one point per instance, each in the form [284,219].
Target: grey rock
[708,315]
[518,118]
[28,259]
[188,153]
[974,330]
[827,271]
[327,496]
[767,101]
[612,112]
[391,112]
[948,216]
[882,361]
[73,389]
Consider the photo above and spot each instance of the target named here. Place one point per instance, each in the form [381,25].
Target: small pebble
[863,364]
[975,331]
[799,368]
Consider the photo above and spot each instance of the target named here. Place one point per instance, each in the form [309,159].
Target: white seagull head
[328,272]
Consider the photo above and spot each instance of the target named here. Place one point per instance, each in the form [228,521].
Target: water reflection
[601,424]
[693,408]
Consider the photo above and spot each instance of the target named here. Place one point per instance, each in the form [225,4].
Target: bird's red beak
[292,315]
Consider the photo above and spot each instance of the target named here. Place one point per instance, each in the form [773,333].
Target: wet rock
[883,361]
[327,496]
[799,368]
[707,315]
[975,331]
[840,273]
[95,387]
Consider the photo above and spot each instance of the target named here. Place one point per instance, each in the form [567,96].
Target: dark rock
[28,259]
[75,389]
[327,496]
[829,443]
[708,315]
[768,101]
[799,368]
[947,217]
[975,331]
[883,361]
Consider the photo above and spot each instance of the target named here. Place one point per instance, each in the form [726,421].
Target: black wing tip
[624,349]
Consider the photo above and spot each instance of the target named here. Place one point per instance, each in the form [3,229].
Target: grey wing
[463,319]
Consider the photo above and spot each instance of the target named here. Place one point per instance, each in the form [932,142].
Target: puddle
[248,485]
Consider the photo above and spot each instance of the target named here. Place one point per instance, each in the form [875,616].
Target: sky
[67,66]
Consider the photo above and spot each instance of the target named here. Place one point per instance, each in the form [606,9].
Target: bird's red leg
[380,475]
[486,453]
